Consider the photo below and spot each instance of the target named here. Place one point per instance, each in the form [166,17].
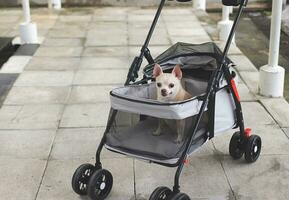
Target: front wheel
[81,178]
[100,184]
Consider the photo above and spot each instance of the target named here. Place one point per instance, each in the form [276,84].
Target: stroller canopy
[201,57]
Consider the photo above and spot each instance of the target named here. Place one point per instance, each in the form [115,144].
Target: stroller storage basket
[138,115]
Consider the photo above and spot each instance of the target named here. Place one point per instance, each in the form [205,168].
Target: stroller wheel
[81,177]
[235,147]
[253,148]
[100,184]
[180,196]
[161,193]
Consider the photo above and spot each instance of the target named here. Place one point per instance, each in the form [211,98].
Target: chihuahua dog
[169,89]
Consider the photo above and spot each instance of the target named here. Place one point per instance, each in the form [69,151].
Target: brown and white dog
[169,89]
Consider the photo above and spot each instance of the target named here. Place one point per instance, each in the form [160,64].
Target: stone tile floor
[55,114]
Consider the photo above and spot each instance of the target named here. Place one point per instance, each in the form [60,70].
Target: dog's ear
[177,71]
[157,70]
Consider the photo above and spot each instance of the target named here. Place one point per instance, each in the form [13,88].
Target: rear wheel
[235,148]
[253,148]
[161,193]
[81,177]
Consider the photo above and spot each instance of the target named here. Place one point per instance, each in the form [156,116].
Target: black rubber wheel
[253,148]
[161,193]
[180,196]
[81,177]
[100,184]
[235,148]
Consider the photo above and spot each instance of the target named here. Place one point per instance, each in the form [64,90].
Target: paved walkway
[54,116]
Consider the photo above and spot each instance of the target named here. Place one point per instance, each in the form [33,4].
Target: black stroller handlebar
[136,64]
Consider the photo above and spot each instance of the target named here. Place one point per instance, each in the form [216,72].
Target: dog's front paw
[157,132]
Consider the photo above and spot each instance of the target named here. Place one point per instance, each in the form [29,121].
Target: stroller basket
[139,113]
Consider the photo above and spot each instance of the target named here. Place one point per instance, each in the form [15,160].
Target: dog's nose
[164,92]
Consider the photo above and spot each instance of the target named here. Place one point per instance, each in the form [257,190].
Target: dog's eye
[171,85]
[159,84]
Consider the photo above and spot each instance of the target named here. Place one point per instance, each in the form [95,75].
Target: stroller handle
[135,66]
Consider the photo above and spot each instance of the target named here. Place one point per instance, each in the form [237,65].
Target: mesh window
[136,134]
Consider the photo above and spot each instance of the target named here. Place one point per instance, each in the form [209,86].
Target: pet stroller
[215,107]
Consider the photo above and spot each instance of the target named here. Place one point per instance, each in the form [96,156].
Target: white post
[271,83]
[231,9]
[26,11]
[27,29]
[50,4]
[225,24]
[199,4]
[56,4]
[226,13]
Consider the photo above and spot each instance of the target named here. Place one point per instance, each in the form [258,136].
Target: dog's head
[168,84]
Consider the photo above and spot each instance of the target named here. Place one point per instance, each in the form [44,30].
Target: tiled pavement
[54,116]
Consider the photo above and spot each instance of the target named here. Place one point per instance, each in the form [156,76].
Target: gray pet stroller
[215,107]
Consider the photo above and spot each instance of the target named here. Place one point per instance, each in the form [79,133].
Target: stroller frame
[208,100]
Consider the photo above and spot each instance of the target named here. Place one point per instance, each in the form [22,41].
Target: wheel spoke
[87,172]
[163,196]
[82,186]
